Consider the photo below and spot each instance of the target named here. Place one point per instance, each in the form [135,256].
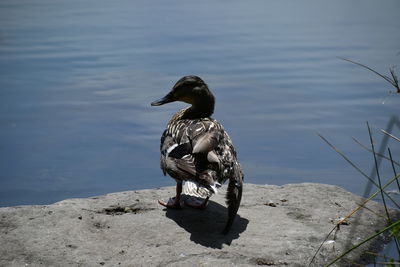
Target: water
[77,79]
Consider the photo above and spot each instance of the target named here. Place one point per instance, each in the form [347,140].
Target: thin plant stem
[351,214]
[363,242]
[396,241]
[398,186]
[394,169]
[378,154]
[391,135]
[377,171]
[357,168]
[393,80]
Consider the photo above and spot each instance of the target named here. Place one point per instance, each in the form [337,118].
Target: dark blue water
[77,79]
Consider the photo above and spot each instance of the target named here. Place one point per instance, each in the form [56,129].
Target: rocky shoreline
[275,226]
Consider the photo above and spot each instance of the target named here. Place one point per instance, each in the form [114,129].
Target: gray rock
[275,226]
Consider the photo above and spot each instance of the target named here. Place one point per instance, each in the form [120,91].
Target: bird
[196,150]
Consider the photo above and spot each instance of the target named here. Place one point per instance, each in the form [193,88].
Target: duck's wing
[176,159]
[187,149]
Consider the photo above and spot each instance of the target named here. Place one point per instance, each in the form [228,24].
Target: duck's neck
[202,108]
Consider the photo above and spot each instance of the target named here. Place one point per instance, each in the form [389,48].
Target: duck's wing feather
[206,142]
[176,158]
[205,136]
[186,165]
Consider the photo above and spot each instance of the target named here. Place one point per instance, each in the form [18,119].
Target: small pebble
[270,203]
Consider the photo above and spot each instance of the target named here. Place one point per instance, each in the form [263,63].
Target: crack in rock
[120,210]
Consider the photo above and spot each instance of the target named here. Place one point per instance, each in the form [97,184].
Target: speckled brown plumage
[195,147]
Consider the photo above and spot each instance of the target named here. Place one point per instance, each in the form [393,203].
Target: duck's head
[192,90]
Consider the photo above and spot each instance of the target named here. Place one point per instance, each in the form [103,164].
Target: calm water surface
[77,79]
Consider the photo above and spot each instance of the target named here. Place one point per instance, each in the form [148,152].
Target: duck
[197,151]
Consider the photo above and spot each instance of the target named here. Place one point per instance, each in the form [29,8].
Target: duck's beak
[166,99]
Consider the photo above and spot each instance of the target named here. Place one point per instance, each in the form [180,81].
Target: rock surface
[275,226]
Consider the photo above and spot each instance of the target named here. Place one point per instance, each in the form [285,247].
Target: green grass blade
[357,168]
[363,242]
[353,212]
[377,171]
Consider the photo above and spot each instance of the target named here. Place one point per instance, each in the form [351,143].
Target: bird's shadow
[205,226]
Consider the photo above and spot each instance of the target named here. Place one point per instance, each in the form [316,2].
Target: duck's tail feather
[233,198]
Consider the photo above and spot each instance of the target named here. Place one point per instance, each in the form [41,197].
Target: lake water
[77,79]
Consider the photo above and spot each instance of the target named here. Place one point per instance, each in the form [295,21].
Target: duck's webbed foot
[174,202]
[196,203]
